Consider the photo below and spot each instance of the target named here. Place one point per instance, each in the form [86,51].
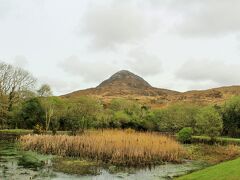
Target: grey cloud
[207,18]
[214,71]
[116,23]
[18,8]
[4,7]
[93,71]
[144,63]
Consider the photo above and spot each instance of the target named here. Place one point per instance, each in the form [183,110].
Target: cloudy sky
[75,44]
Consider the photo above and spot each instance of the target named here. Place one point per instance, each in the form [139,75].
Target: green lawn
[229,170]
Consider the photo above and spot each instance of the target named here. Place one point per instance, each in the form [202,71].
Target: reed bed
[109,146]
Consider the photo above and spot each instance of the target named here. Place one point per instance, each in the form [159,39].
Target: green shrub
[38,129]
[28,160]
[185,135]
[209,123]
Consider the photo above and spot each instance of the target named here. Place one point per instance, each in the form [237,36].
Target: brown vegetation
[127,85]
[213,154]
[110,146]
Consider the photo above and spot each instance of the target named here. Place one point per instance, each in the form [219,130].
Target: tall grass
[110,146]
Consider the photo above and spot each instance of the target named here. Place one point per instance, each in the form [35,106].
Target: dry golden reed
[109,146]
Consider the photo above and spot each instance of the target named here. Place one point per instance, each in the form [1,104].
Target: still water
[12,167]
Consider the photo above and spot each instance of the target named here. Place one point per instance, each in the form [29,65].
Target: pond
[19,165]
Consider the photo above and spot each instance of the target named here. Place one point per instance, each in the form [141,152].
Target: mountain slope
[125,78]
[125,84]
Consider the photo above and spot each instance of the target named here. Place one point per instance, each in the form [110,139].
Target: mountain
[125,84]
[125,78]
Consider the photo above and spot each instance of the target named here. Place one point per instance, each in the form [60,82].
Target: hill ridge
[125,84]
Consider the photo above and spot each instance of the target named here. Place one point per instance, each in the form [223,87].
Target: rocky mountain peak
[127,79]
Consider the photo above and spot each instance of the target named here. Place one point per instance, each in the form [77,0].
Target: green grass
[75,166]
[221,140]
[224,171]
[26,131]
[16,131]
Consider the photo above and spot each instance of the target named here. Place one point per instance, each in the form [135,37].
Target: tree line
[22,106]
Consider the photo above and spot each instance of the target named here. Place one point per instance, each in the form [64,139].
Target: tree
[158,116]
[104,119]
[121,119]
[117,104]
[178,116]
[148,122]
[128,114]
[185,135]
[231,117]
[14,83]
[129,107]
[81,113]
[53,107]
[14,116]
[3,112]
[44,91]
[209,122]
[31,114]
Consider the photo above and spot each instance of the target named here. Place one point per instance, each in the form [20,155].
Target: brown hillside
[125,84]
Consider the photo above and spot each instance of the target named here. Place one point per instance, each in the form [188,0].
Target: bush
[185,135]
[129,131]
[28,160]
[38,129]
[231,116]
[54,126]
[209,123]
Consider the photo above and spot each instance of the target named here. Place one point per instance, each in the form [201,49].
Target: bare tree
[45,91]
[14,81]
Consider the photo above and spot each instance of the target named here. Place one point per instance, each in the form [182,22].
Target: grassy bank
[212,154]
[219,140]
[110,146]
[224,171]
[19,132]
[16,131]
[12,134]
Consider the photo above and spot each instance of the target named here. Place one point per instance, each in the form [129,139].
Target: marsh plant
[109,146]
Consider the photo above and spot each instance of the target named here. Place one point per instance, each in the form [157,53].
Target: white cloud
[166,30]
[144,63]
[214,71]
[4,8]
[59,86]
[89,71]
[210,18]
[116,23]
